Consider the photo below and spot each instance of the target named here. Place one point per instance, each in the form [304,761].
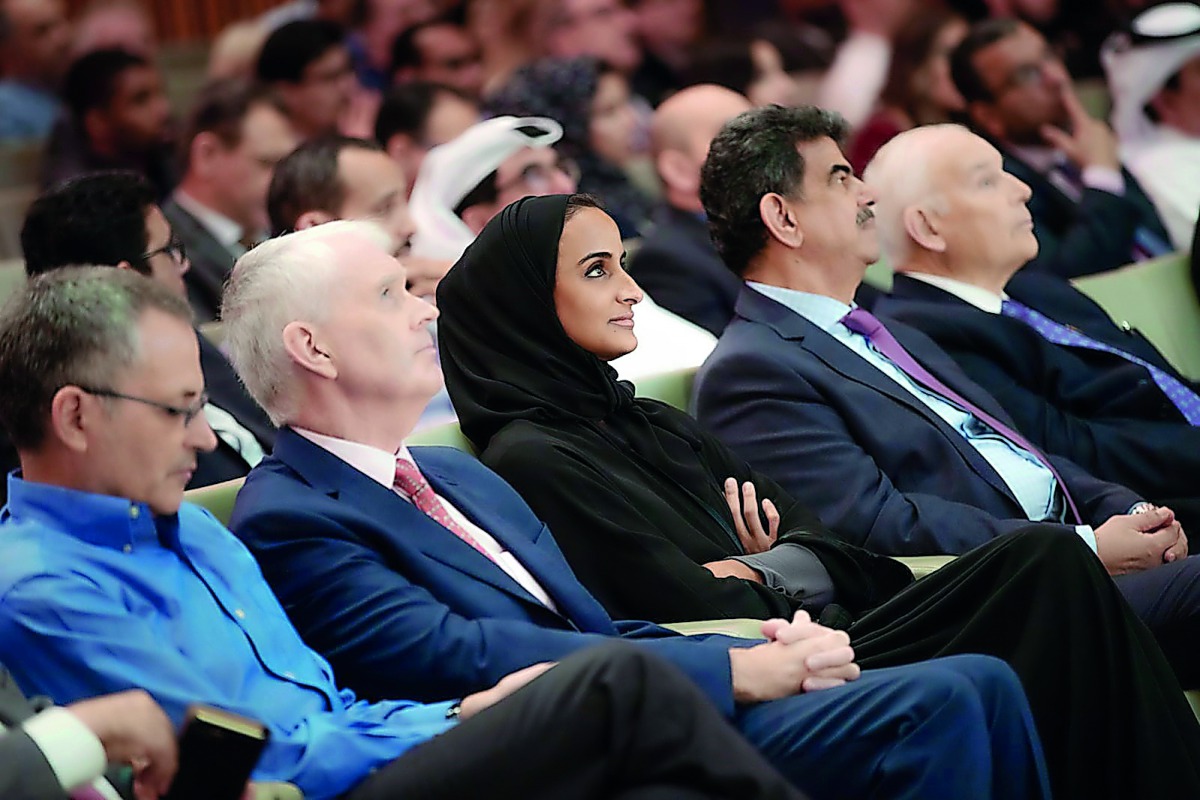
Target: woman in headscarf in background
[591,102]
[660,521]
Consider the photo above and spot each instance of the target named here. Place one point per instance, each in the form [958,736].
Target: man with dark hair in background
[1089,213]
[119,118]
[34,34]
[111,219]
[418,116]
[439,51]
[236,134]
[308,64]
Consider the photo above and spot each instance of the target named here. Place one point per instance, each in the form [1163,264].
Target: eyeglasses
[538,178]
[174,248]
[186,413]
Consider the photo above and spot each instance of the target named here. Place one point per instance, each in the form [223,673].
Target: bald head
[945,205]
[682,128]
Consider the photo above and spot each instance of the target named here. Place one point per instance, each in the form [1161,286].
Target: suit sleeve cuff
[794,570]
[1088,535]
[73,751]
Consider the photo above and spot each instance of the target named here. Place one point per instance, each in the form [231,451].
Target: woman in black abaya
[635,493]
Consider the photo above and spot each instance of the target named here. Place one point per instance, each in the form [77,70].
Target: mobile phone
[217,752]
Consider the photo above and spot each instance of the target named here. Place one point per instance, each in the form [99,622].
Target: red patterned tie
[412,483]
[86,793]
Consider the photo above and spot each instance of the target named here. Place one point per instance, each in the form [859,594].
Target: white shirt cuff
[1088,535]
[1105,179]
[73,752]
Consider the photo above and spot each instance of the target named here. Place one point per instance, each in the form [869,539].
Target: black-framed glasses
[186,413]
[174,248]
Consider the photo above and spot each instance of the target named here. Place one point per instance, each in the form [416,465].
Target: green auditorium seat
[1157,298]
[672,388]
[447,435]
[218,498]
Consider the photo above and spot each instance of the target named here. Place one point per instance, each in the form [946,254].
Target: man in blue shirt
[108,582]
[34,37]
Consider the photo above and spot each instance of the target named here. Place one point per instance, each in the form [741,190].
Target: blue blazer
[403,608]
[1099,410]
[876,464]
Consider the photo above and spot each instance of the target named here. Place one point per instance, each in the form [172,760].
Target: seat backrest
[218,498]
[12,277]
[672,388]
[447,435]
[1157,298]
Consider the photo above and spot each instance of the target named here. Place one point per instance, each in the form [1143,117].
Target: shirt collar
[968,293]
[378,465]
[824,312]
[99,519]
[222,228]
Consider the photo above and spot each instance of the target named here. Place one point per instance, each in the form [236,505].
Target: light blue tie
[1180,395]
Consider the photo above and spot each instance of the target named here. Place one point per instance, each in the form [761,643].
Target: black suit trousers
[610,722]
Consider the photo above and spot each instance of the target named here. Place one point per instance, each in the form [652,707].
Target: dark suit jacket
[1099,410]
[876,464]
[24,772]
[1094,235]
[211,262]
[225,390]
[400,606]
[679,267]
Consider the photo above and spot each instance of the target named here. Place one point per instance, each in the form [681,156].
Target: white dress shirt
[1031,482]
[380,466]
[73,752]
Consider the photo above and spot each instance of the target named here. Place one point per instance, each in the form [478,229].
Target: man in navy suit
[875,427]
[1074,382]
[1089,213]
[418,571]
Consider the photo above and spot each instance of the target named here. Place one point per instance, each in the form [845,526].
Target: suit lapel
[850,366]
[398,518]
[548,568]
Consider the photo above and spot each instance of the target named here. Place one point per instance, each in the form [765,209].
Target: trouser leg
[949,728]
[1167,599]
[612,721]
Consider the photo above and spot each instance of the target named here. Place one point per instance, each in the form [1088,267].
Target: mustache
[865,215]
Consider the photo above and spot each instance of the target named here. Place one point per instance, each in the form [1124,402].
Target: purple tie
[864,322]
[86,793]
[1183,398]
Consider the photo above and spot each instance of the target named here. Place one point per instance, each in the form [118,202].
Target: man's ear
[476,216]
[676,171]
[70,418]
[780,220]
[302,344]
[924,228]
[311,219]
[200,153]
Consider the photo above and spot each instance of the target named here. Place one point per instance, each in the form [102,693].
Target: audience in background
[752,67]
[677,263]
[235,136]
[34,38]
[591,102]
[1154,76]
[416,116]
[111,219]
[308,64]
[115,24]
[919,89]
[667,31]
[234,51]
[118,118]
[1089,213]
[371,40]
[955,228]
[440,51]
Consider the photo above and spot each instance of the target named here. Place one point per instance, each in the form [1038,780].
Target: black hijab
[506,356]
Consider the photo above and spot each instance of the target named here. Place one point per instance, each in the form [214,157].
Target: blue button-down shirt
[1033,485]
[98,595]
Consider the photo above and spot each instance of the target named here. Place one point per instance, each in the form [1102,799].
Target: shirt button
[289,676]
[134,512]
[1125,326]
[239,614]
[128,548]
